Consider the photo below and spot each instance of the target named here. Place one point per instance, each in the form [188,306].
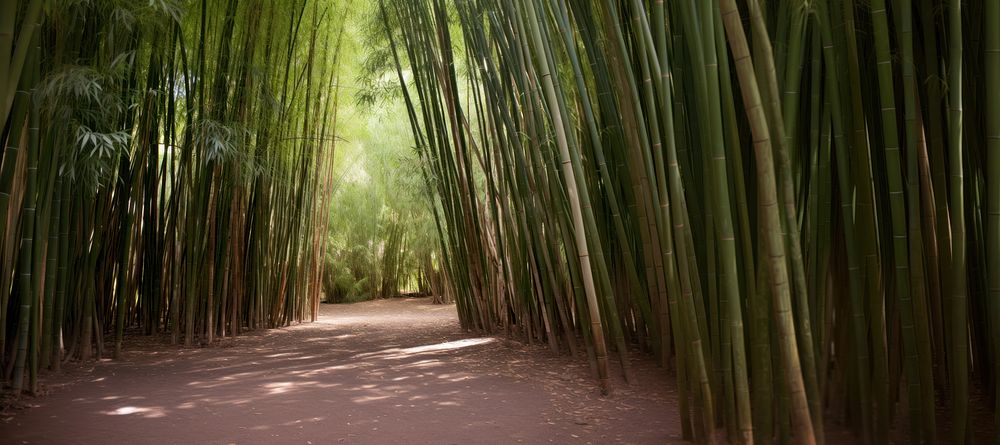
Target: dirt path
[383,372]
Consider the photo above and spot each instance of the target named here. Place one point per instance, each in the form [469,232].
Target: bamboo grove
[165,169]
[794,205]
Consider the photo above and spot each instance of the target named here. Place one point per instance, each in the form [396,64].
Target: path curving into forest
[380,372]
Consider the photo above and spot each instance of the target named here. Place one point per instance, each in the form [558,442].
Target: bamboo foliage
[166,169]
[769,196]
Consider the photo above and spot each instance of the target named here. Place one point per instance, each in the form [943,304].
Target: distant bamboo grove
[794,205]
[165,169]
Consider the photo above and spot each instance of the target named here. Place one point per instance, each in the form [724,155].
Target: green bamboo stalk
[574,199]
[770,217]
[722,216]
[914,145]
[901,254]
[55,209]
[26,260]
[773,110]
[65,221]
[18,56]
[959,354]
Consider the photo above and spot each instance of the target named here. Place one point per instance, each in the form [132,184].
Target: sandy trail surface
[382,372]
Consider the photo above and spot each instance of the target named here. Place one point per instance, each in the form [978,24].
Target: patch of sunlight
[366,399]
[454,377]
[241,375]
[283,387]
[396,353]
[280,354]
[279,387]
[147,412]
[457,344]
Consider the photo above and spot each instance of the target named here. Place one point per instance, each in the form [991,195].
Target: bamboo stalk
[775,250]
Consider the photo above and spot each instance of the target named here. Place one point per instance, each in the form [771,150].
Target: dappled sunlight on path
[376,372]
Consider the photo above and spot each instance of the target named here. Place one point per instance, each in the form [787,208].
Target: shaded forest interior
[792,206]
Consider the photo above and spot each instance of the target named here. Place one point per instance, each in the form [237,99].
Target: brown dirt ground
[369,373]
[377,372]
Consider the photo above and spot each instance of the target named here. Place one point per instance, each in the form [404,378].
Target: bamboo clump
[790,204]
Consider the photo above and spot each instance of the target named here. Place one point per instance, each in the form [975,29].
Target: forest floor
[380,372]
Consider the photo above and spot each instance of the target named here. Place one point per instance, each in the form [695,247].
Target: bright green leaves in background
[381,238]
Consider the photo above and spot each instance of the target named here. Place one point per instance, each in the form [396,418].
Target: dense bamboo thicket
[795,205]
[381,238]
[166,168]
